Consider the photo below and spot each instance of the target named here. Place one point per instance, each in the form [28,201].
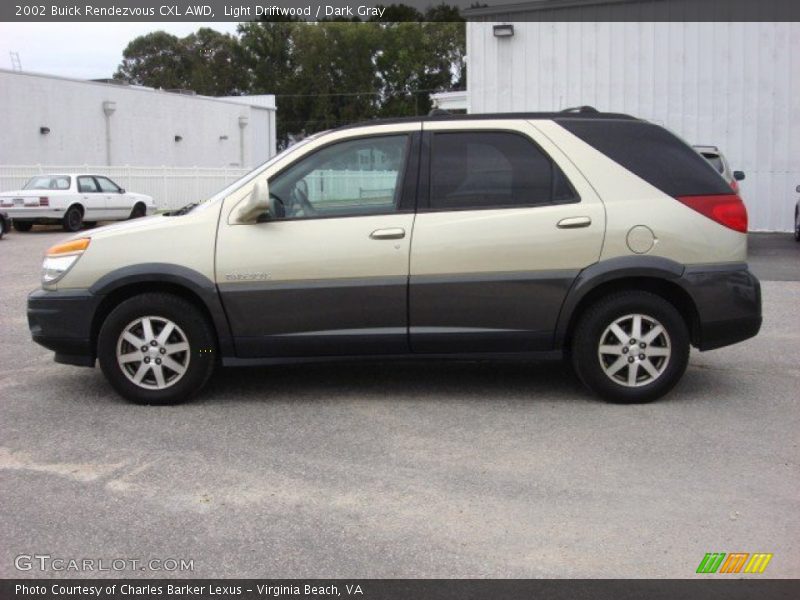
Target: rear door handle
[574,222]
[392,233]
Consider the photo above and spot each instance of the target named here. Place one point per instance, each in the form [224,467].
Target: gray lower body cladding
[431,316]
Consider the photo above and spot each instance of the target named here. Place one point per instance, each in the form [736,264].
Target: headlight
[60,258]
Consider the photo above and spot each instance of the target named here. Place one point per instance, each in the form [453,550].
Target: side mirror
[738,175]
[121,190]
[254,206]
[797,189]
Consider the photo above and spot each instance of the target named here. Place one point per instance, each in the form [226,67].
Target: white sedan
[72,200]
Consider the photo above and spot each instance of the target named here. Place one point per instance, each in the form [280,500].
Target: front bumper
[61,321]
[728,302]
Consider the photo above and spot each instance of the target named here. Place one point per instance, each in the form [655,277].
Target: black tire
[22,226]
[73,219]
[591,329]
[796,226]
[189,320]
[138,211]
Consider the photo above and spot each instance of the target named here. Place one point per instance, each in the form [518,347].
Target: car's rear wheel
[156,349]
[73,219]
[138,211]
[631,347]
[22,226]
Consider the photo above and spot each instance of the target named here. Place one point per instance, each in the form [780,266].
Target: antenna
[16,65]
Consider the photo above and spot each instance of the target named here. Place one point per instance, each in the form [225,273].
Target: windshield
[48,182]
[226,191]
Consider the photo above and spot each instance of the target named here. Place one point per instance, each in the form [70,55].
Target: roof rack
[446,115]
[581,110]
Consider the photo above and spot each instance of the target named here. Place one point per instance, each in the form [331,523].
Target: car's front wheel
[631,347]
[138,211]
[156,349]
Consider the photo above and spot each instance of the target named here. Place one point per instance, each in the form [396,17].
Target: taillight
[44,201]
[725,209]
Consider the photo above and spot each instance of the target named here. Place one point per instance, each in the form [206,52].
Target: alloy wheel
[153,352]
[634,350]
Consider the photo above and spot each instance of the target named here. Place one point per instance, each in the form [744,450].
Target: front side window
[87,185]
[107,186]
[354,177]
[493,170]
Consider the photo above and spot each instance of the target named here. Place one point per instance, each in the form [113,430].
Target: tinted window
[493,169]
[106,185]
[87,185]
[653,153]
[355,177]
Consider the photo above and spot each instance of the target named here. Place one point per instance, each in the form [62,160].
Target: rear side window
[652,153]
[87,185]
[493,170]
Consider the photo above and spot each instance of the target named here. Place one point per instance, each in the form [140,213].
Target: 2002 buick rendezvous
[597,236]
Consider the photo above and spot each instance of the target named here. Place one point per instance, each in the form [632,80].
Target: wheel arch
[657,275]
[124,283]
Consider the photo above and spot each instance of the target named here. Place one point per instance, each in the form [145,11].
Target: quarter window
[356,177]
[493,170]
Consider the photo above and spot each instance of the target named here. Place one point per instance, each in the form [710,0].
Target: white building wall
[143,126]
[732,85]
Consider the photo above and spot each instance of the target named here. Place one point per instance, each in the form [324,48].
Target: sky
[81,50]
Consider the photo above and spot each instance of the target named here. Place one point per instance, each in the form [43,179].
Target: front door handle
[393,233]
[574,222]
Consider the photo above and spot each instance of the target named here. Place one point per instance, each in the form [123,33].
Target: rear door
[92,198]
[505,224]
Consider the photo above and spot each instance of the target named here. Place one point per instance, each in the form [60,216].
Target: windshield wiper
[182,210]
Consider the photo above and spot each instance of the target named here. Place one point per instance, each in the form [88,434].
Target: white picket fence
[173,187]
[170,187]
[336,185]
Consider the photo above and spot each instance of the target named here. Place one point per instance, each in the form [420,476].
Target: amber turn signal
[71,247]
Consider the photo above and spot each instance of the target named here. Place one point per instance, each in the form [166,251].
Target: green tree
[206,62]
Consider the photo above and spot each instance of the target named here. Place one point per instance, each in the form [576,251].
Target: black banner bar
[314,10]
[712,588]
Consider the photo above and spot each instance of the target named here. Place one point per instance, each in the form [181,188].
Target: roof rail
[580,109]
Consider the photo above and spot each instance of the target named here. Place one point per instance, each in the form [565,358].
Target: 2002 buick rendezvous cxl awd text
[595,236]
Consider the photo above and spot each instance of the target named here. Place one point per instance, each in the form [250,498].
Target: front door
[329,275]
[505,225]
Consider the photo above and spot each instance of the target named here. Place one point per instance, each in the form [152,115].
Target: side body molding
[609,270]
[187,278]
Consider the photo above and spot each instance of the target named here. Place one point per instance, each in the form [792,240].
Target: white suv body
[491,236]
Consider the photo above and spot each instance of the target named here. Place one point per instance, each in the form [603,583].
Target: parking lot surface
[405,470]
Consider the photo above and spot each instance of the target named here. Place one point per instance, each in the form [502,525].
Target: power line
[409,92]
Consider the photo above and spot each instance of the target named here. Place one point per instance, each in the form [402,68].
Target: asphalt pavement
[404,470]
